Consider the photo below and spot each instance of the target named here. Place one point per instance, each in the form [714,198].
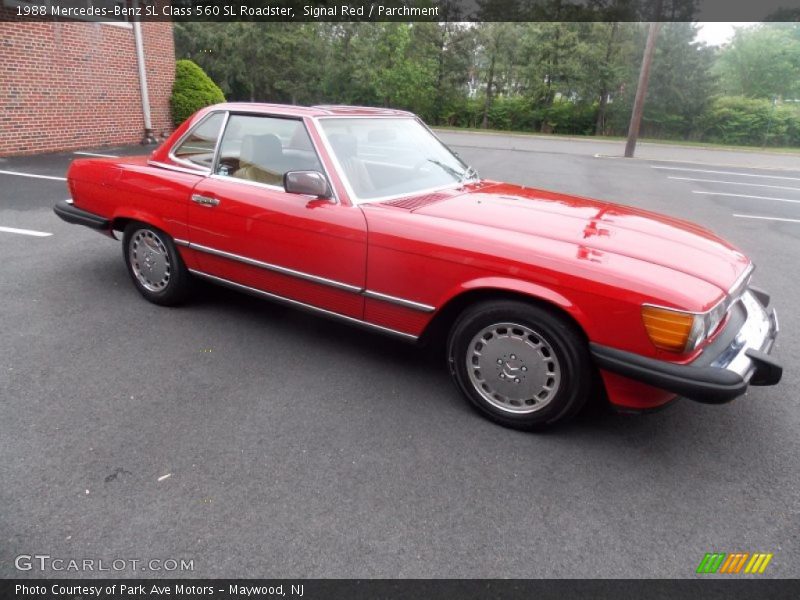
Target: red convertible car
[543,300]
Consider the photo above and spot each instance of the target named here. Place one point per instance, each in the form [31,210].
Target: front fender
[534,291]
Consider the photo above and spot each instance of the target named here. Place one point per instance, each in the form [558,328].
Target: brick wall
[66,86]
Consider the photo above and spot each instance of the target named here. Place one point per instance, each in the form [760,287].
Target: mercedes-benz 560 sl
[543,300]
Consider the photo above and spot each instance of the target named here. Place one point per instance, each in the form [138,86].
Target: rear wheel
[154,265]
[519,364]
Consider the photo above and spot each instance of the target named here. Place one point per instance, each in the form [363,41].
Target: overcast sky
[715,34]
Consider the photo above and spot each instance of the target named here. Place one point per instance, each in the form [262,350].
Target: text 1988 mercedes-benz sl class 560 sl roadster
[544,300]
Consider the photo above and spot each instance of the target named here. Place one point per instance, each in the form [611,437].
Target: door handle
[204,200]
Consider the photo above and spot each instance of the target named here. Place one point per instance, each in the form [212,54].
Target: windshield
[386,157]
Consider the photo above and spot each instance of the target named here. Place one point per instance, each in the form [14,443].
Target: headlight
[682,331]
[715,316]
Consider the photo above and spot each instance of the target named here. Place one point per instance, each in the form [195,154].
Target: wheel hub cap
[150,260]
[513,368]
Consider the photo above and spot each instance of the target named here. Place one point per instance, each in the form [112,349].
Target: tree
[295,57]
[606,65]
[451,46]
[681,88]
[231,53]
[389,67]
[574,76]
[762,61]
[496,46]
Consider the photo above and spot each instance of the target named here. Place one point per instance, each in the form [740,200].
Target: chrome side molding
[302,305]
[276,268]
[399,301]
[411,304]
[200,172]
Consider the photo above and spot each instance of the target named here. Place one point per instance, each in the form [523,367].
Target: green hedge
[509,113]
[192,90]
[751,122]
[731,120]
[518,113]
[512,113]
[568,117]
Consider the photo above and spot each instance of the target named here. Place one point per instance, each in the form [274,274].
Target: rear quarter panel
[120,189]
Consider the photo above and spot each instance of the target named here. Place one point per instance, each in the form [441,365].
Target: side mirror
[310,183]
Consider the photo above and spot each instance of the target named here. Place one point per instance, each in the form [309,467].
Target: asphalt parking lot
[256,440]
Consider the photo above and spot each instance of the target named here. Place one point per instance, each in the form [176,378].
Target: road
[596,147]
[256,440]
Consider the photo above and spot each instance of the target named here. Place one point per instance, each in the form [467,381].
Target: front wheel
[519,364]
[154,265]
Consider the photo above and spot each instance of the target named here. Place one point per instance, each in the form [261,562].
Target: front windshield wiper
[454,172]
[470,173]
[461,176]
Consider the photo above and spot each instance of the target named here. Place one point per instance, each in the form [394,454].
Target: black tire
[170,289]
[557,356]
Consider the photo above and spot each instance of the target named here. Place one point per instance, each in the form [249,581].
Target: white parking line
[767,218]
[763,185]
[746,196]
[25,232]
[96,154]
[726,173]
[32,175]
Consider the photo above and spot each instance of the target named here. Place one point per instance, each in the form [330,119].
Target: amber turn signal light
[672,330]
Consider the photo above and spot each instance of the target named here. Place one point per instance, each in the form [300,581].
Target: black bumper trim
[710,385]
[761,295]
[768,371]
[72,214]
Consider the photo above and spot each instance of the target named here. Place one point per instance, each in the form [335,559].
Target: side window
[262,149]
[198,147]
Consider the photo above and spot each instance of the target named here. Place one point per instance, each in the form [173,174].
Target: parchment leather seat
[261,159]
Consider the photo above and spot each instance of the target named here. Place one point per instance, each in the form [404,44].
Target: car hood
[596,226]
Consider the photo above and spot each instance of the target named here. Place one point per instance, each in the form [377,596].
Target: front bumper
[738,358]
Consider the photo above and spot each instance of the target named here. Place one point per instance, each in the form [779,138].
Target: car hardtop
[322,110]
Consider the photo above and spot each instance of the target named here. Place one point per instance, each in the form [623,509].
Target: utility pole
[641,89]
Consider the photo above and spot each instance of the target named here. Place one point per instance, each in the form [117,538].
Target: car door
[249,231]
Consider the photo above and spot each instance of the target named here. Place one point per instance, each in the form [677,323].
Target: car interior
[262,149]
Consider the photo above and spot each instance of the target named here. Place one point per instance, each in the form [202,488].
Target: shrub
[749,121]
[519,113]
[513,113]
[568,117]
[728,120]
[192,90]
[462,112]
